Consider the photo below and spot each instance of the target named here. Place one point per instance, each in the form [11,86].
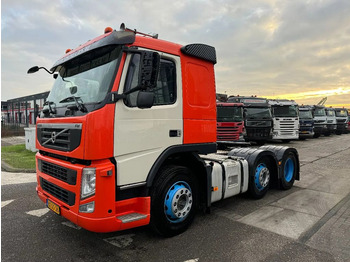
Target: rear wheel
[259,183]
[173,201]
[289,172]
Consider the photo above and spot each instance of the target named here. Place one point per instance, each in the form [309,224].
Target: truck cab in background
[341,115]
[348,128]
[320,120]
[257,118]
[331,121]
[230,123]
[285,119]
[306,123]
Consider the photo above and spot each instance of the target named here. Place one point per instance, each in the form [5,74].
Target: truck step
[131,217]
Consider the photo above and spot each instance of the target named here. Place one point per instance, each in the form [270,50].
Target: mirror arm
[46,70]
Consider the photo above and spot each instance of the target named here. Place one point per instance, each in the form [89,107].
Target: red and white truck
[230,122]
[127,137]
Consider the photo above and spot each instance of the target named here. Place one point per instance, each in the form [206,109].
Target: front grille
[287,124]
[341,120]
[258,132]
[62,137]
[64,174]
[320,121]
[253,123]
[58,192]
[227,133]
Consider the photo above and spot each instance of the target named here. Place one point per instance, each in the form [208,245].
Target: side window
[132,78]
[164,92]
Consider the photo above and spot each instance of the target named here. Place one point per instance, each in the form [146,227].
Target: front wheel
[260,181]
[174,201]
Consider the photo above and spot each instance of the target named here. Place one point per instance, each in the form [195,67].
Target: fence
[12,129]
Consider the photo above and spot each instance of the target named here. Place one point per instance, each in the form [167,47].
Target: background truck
[306,123]
[341,115]
[320,120]
[331,121]
[257,118]
[348,128]
[230,124]
[285,119]
[128,137]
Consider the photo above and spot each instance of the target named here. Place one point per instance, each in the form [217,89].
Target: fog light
[87,208]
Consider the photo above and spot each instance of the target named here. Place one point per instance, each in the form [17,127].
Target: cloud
[265,47]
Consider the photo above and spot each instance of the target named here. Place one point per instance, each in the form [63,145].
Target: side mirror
[33,70]
[149,68]
[36,69]
[145,99]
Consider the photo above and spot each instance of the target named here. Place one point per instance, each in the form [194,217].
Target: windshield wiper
[78,105]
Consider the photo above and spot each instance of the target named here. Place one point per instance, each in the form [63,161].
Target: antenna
[123,28]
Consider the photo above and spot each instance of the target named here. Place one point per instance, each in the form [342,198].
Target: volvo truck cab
[257,118]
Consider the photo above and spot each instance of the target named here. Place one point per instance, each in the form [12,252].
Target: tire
[338,133]
[289,171]
[174,201]
[286,141]
[317,135]
[327,134]
[260,181]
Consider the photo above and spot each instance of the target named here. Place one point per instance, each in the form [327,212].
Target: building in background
[22,110]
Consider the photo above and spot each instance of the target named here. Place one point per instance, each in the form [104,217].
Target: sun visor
[114,38]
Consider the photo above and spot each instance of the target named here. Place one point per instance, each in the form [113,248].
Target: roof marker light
[68,50]
[108,29]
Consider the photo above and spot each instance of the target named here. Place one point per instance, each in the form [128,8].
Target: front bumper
[320,129]
[306,133]
[66,194]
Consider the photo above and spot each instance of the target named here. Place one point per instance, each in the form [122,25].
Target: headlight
[88,182]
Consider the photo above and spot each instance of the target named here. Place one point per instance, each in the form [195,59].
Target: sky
[296,49]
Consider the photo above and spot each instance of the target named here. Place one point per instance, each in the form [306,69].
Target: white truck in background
[285,118]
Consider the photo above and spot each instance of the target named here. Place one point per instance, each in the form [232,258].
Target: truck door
[141,135]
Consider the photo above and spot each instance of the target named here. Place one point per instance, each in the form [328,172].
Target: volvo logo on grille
[53,137]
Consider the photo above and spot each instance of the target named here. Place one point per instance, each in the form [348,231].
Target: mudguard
[281,153]
[253,155]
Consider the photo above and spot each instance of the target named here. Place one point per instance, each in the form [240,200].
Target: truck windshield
[330,113]
[288,111]
[87,77]
[305,114]
[341,113]
[229,114]
[259,112]
[320,112]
